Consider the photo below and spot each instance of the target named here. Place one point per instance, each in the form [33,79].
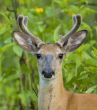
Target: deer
[52,95]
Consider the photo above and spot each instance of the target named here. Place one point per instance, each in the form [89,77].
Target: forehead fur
[50,48]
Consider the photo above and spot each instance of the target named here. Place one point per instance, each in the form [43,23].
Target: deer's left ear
[75,40]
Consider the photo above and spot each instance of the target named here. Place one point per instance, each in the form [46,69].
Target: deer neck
[51,92]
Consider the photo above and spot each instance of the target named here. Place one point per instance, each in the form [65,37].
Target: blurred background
[48,19]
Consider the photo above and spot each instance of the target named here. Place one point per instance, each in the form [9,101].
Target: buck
[52,94]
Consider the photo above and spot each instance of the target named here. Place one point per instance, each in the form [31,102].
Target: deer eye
[38,56]
[60,56]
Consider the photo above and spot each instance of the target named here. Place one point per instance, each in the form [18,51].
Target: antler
[22,22]
[77,22]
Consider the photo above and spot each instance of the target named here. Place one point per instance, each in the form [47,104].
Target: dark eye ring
[60,56]
[38,56]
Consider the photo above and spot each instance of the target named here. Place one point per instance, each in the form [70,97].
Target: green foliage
[48,19]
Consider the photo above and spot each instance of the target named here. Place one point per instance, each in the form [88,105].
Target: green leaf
[91,89]
[56,33]
[17,50]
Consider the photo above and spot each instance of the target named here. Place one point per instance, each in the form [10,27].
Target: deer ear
[75,40]
[25,41]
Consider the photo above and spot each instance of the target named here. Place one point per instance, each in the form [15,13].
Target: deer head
[49,55]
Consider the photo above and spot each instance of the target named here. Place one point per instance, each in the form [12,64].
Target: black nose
[48,74]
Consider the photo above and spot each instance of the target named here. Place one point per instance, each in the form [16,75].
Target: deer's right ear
[25,41]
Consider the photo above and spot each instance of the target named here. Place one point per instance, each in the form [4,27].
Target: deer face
[49,60]
[49,55]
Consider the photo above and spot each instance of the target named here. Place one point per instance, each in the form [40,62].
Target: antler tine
[22,22]
[77,22]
